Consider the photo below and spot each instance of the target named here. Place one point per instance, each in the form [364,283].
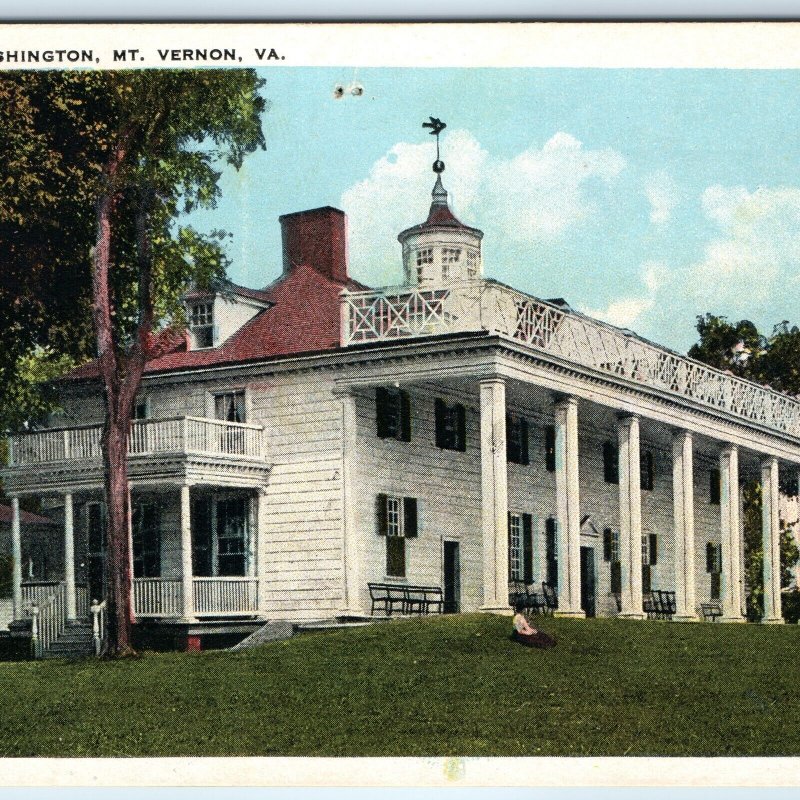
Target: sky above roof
[643,197]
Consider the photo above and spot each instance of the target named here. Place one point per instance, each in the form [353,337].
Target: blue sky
[644,197]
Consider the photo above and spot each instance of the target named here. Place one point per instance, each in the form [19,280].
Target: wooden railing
[49,616]
[99,626]
[397,314]
[183,435]
[157,597]
[232,595]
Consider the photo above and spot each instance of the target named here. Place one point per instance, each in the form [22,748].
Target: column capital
[728,448]
[564,400]
[492,380]
[627,418]
[768,462]
[344,392]
[681,433]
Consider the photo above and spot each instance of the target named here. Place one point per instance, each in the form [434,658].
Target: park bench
[664,604]
[550,597]
[710,611]
[390,597]
[649,606]
[531,600]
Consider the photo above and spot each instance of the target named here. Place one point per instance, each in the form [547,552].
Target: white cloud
[662,194]
[536,195]
[624,312]
[654,275]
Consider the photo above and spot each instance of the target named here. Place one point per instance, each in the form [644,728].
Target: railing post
[344,319]
[96,627]
[35,630]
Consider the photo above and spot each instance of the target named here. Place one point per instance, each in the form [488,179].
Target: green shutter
[527,548]
[616,577]
[439,410]
[410,517]
[405,417]
[380,513]
[653,550]
[461,428]
[523,442]
[709,557]
[382,412]
[607,544]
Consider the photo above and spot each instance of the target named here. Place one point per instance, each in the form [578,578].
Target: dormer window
[201,322]
[424,257]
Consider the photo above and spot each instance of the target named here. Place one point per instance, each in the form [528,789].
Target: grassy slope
[436,686]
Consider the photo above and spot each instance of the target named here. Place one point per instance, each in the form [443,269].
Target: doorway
[96,551]
[588,581]
[452,578]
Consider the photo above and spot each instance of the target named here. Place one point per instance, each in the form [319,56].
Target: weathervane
[436,126]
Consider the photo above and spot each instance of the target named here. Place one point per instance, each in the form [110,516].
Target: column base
[579,614]
[636,615]
[352,612]
[736,619]
[505,611]
[685,618]
[773,621]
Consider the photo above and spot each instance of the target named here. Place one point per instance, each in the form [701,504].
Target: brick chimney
[316,238]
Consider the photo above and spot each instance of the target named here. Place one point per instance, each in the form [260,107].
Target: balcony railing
[397,314]
[221,596]
[182,435]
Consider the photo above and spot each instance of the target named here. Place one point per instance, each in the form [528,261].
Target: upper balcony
[178,449]
[400,313]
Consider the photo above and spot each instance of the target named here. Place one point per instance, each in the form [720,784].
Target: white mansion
[309,438]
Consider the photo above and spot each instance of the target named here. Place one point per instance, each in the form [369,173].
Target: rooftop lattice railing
[400,313]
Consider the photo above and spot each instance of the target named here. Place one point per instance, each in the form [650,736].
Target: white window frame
[615,551]
[201,322]
[515,549]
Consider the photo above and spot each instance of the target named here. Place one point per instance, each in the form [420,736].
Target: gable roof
[302,316]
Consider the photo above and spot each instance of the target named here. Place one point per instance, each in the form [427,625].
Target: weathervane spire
[436,126]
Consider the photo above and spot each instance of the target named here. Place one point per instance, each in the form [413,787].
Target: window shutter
[527,548]
[382,412]
[410,517]
[405,417]
[523,441]
[653,549]
[461,437]
[607,544]
[715,585]
[510,454]
[550,448]
[709,557]
[552,562]
[714,487]
[646,579]
[616,577]
[439,413]
[380,509]
[719,559]
[610,465]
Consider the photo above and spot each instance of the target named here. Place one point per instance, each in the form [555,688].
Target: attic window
[202,324]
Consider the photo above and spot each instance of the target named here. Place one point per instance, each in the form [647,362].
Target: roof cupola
[442,249]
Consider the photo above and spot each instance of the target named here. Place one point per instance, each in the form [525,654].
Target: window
[646,470]
[450,255]
[424,257]
[611,555]
[520,547]
[220,535]
[550,448]
[551,546]
[714,567]
[146,540]
[472,264]
[611,462]
[141,409]
[232,536]
[649,558]
[393,414]
[517,440]
[397,521]
[451,426]
[201,323]
[229,406]
[713,487]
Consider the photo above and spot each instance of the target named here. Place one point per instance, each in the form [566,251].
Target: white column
[69,557]
[186,553]
[683,516]
[630,517]
[770,528]
[261,548]
[568,511]
[730,535]
[494,495]
[353,584]
[16,556]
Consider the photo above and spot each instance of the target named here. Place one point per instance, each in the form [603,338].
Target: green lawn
[434,686]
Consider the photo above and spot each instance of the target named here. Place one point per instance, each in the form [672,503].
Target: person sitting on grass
[526,634]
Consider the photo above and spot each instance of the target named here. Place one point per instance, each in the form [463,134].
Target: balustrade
[402,313]
[157,597]
[229,595]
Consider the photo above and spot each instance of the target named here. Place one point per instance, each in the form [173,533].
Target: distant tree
[153,143]
[774,361]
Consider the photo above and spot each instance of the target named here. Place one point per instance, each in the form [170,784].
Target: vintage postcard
[400,404]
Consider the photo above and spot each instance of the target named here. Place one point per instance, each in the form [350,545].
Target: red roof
[303,317]
[25,517]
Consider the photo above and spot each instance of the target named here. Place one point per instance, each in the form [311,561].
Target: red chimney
[316,238]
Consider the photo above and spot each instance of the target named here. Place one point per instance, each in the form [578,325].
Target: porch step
[272,631]
[75,642]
